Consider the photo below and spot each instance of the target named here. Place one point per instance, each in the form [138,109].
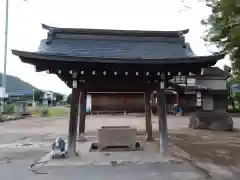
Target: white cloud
[26,18]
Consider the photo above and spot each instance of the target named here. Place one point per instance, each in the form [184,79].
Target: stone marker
[212,120]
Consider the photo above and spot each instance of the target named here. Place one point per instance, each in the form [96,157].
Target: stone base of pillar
[147,138]
[163,145]
[71,153]
[81,138]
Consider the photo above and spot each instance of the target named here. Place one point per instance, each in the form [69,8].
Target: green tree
[59,97]
[223,29]
[38,94]
[69,98]
[230,82]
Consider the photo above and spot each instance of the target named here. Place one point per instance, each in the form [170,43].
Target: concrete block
[110,136]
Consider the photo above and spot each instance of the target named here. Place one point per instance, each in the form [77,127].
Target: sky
[25,31]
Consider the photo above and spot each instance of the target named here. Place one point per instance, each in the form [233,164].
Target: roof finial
[51,35]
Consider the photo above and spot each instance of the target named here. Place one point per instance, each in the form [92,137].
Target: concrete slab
[147,164]
[153,171]
[149,154]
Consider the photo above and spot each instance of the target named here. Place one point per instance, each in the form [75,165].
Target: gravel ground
[25,141]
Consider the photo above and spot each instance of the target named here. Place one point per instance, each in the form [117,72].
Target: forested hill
[15,84]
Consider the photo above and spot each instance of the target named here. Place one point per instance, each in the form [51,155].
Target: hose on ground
[31,167]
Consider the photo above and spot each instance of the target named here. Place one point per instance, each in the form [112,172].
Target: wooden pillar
[82,117]
[162,116]
[73,123]
[148,118]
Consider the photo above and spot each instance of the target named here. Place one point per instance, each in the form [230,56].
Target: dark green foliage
[15,84]
[223,29]
[38,94]
[233,111]
[9,109]
[69,98]
[59,97]
[237,97]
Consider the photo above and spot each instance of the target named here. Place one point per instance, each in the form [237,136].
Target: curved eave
[116,32]
[59,57]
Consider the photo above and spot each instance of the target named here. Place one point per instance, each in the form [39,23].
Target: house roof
[115,46]
[214,71]
[21,93]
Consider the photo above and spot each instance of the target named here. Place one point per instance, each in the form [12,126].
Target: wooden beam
[148,118]
[73,123]
[120,86]
[97,67]
[82,119]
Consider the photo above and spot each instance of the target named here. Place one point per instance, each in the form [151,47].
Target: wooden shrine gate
[93,60]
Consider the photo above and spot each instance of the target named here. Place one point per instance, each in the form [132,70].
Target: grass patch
[58,111]
[52,111]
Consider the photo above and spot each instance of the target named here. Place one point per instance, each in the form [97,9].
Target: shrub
[9,108]
[44,112]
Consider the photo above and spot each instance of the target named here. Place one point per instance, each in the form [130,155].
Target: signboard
[89,103]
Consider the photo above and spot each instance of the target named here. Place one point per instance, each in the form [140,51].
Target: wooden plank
[118,102]
[120,86]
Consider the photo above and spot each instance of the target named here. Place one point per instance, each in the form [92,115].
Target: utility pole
[33,97]
[5,46]
[5,55]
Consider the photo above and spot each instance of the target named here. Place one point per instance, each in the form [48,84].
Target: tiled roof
[116,49]
[118,46]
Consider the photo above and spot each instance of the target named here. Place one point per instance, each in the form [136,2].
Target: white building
[49,98]
[3,93]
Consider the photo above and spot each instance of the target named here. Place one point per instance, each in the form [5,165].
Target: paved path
[24,141]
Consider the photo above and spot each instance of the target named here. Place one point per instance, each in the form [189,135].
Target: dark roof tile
[115,49]
[116,46]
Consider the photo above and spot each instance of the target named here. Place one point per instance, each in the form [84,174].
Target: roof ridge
[115,32]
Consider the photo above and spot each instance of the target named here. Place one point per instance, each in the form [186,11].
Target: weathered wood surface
[72,132]
[148,117]
[82,117]
[162,118]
